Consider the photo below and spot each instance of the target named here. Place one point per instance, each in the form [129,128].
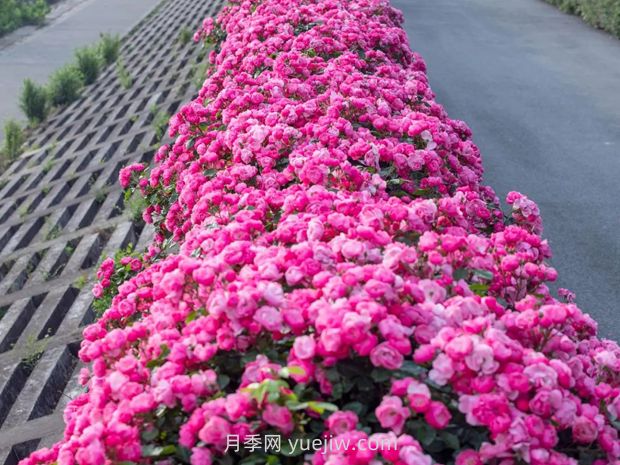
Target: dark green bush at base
[603,14]
[13,141]
[89,63]
[65,85]
[109,48]
[34,101]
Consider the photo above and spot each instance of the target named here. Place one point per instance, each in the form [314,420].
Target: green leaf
[356,407]
[459,273]
[296,370]
[484,274]
[321,407]
[479,289]
[451,440]
[254,459]
[159,361]
[410,368]
[150,434]
[158,451]
[365,384]
[223,381]
[337,391]
[380,375]
[184,454]
[296,405]
[424,433]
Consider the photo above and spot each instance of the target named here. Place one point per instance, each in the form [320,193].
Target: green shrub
[185,35]
[34,101]
[34,12]
[123,75]
[109,48]
[65,85]
[16,13]
[603,14]
[89,63]
[159,121]
[13,140]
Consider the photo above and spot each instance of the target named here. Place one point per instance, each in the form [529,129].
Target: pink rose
[200,456]
[468,457]
[384,355]
[352,249]
[237,406]
[269,317]
[280,417]
[412,455]
[331,340]
[97,290]
[419,397]
[482,359]
[437,415]
[442,370]
[304,347]
[215,432]
[142,402]
[391,413]
[341,422]
[459,347]
[585,430]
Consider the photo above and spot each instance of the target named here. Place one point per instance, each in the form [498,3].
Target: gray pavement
[37,52]
[541,92]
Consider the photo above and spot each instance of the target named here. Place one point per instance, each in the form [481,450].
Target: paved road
[541,92]
[36,53]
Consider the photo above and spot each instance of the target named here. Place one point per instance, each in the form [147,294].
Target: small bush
[159,121]
[200,74]
[89,63]
[13,140]
[109,48]
[65,85]
[34,101]
[123,75]
[185,36]
[16,13]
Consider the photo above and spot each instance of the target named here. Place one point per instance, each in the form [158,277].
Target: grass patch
[602,14]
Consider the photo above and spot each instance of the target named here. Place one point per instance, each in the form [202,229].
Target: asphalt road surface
[541,92]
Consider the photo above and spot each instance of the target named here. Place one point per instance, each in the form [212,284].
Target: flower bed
[328,263]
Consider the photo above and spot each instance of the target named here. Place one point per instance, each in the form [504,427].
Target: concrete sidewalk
[37,52]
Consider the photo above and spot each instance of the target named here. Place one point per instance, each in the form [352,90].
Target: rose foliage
[327,262]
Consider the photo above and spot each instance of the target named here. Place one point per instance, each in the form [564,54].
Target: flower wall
[328,263]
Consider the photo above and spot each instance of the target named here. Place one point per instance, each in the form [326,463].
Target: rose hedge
[327,262]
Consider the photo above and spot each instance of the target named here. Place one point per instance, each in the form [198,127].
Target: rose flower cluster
[327,263]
